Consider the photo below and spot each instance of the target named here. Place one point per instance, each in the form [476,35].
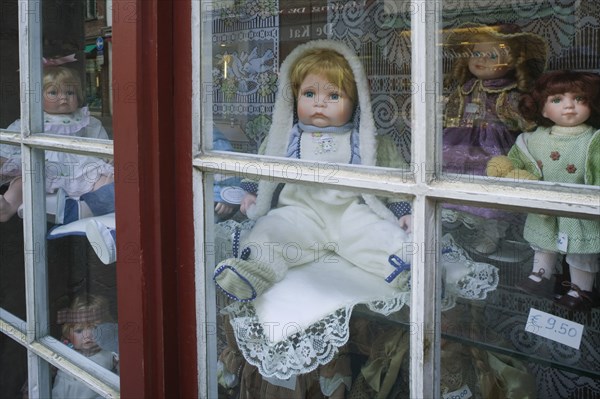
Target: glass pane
[75,98]
[251,41]
[80,188]
[288,281]
[258,48]
[538,321]
[508,92]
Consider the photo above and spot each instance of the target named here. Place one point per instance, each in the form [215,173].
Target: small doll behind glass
[84,184]
[564,148]
[494,65]
[79,332]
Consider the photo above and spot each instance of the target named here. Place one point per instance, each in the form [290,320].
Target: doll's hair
[63,77]
[526,51]
[585,84]
[329,63]
[84,310]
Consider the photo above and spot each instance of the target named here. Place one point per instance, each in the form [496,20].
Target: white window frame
[91,9]
[427,186]
[33,334]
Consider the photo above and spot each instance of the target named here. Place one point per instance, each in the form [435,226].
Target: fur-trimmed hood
[283,120]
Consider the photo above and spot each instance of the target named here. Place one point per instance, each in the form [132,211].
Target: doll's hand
[224,209]
[406,223]
[499,166]
[247,202]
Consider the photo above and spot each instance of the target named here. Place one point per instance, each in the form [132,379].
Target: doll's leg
[281,239]
[95,203]
[375,245]
[539,281]
[583,269]
[11,200]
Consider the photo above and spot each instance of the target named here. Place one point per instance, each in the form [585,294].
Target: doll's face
[566,109]
[321,103]
[60,99]
[489,60]
[82,336]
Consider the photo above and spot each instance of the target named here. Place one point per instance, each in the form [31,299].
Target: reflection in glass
[543,266]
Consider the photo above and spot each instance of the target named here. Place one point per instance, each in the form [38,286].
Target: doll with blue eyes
[493,66]
[564,148]
[322,113]
[84,184]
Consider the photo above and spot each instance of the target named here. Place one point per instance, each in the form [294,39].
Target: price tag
[462,393]
[290,383]
[555,328]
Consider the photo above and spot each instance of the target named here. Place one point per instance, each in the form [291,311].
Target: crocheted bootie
[242,280]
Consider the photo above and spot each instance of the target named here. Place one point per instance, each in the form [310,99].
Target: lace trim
[303,351]
[67,124]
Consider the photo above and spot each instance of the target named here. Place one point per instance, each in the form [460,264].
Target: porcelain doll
[79,322]
[327,117]
[84,184]
[564,148]
[494,65]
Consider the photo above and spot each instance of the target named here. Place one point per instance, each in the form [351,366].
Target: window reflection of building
[98,42]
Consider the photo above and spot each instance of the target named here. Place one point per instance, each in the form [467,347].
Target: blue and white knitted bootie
[243,280]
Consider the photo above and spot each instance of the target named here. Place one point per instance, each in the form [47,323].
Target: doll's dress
[481,121]
[68,387]
[564,157]
[76,174]
[300,323]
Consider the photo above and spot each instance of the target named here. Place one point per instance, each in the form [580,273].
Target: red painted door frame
[152,141]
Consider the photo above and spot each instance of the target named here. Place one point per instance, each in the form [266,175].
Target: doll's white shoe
[103,241]
[485,245]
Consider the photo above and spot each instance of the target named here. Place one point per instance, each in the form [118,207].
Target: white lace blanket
[301,322]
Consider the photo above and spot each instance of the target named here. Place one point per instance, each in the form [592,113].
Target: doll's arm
[511,166]
[592,167]
[402,210]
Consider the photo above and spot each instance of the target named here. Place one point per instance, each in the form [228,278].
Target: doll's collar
[67,124]
[501,84]
[329,129]
[569,131]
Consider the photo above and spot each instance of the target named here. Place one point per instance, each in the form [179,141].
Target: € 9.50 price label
[555,328]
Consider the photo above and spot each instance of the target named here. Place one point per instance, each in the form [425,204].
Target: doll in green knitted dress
[565,148]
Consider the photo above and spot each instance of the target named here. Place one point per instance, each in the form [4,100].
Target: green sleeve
[592,167]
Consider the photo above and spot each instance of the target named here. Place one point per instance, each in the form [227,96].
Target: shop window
[58,313]
[276,320]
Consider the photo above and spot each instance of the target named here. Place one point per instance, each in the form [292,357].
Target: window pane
[75,98]
[251,40]
[80,188]
[355,111]
[540,322]
[506,75]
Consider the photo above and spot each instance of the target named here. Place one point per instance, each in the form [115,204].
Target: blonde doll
[326,117]
[494,65]
[84,184]
[79,332]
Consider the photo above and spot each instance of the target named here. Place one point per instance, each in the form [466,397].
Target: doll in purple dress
[494,65]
